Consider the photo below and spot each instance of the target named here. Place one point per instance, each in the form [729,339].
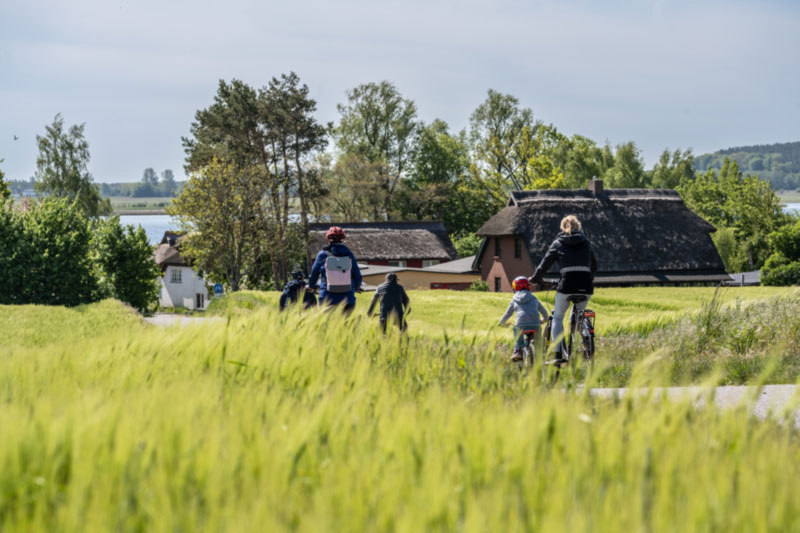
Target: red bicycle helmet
[335,234]
[520,283]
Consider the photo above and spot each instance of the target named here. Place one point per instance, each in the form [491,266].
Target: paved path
[165,319]
[772,398]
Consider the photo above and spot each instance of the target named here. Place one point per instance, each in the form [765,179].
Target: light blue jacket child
[528,308]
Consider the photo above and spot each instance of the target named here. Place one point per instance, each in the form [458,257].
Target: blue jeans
[560,309]
[336,298]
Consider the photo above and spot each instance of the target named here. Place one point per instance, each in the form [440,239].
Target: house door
[201,300]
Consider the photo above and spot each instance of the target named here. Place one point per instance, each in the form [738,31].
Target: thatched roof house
[401,244]
[181,285]
[168,251]
[639,236]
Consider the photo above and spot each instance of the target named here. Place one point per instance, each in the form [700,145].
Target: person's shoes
[559,360]
[517,355]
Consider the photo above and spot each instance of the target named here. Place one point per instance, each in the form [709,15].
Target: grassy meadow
[311,421]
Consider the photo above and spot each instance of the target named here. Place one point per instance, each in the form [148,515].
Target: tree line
[149,186]
[259,155]
[261,168]
[777,163]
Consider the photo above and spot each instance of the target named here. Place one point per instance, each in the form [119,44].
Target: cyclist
[577,265]
[528,309]
[294,289]
[393,302]
[337,271]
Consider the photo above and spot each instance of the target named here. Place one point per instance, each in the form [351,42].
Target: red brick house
[397,244]
[639,236]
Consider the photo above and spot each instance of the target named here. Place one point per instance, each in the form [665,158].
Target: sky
[682,74]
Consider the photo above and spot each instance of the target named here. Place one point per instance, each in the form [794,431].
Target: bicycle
[581,323]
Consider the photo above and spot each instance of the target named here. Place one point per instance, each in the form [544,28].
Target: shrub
[479,285]
[45,255]
[780,271]
[126,270]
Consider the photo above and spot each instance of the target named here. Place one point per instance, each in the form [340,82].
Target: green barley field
[260,421]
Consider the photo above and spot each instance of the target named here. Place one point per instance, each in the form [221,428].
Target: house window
[401,264]
[176,275]
[429,262]
[201,301]
[498,285]
[497,246]
[517,248]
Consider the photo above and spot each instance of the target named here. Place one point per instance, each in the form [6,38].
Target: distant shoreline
[139,212]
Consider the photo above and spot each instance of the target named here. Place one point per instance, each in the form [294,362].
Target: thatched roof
[389,241]
[168,252]
[634,232]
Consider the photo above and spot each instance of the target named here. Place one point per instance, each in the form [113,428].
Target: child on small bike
[528,309]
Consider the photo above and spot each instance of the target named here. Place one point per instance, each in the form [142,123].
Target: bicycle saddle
[577,298]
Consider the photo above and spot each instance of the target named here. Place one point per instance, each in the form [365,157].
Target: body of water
[154,225]
[792,208]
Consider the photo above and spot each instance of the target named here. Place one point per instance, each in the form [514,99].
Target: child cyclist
[528,309]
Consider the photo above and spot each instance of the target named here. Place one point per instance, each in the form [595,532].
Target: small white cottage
[181,286]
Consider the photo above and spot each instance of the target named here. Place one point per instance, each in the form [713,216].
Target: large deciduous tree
[497,127]
[378,124]
[62,167]
[439,186]
[744,203]
[295,136]
[270,133]
[672,169]
[221,207]
[628,170]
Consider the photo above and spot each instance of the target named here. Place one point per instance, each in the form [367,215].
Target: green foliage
[267,137]
[780,271]
[302,419]
[220,207]
[778,164]
[467,244]
[746,204]
[729,249]
[46,254]
[5,191]
[783,266]
[439,186]
[672,169]
[478,286]
[61,168]
[124,258]
[378,124]
[628,169]
[734,341]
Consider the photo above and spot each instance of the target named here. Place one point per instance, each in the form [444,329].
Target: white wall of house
[183,287]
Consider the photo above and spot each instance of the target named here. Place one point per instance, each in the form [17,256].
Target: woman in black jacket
[577,266]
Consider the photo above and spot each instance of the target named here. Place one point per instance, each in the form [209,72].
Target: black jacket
[576,263]
[292,291]
[393,298]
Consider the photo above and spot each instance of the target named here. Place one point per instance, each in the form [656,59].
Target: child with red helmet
[528,309]
[337,271]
